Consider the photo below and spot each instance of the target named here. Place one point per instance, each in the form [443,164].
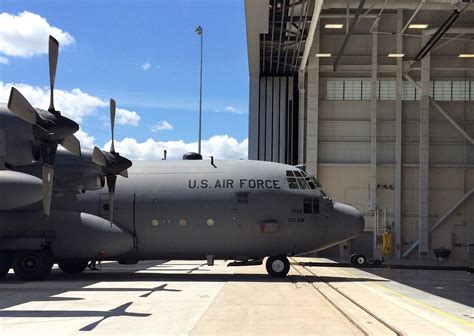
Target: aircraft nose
[352,220]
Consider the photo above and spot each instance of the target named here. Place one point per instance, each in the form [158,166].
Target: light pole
[199,31]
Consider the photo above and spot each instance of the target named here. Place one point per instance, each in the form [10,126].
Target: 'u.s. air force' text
[231,184]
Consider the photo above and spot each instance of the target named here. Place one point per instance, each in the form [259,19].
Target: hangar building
[376,98]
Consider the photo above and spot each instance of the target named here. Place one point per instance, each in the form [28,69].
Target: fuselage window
[297,173]
[308,205]
[311,205]
[289,173]
[293,183]
[315,205]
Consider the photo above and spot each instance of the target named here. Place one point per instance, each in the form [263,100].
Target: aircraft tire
[5,265]
[72,266]
[353,258]
[361,260]
[277,267]
[32,265]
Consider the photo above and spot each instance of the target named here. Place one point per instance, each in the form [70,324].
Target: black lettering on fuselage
[229,184]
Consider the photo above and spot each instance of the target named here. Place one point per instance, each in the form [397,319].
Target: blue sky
[113,40]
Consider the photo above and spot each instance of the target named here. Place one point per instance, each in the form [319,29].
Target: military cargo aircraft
[54,208]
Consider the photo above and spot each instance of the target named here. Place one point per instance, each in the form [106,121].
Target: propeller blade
[53,52]
[112,123]
[72,144]
[98,157]
[48,176]
[124,173]
[111,180]
[21,107]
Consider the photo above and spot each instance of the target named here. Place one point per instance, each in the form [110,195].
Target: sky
[144,54]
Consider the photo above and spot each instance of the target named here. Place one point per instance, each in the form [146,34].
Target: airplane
[54,208]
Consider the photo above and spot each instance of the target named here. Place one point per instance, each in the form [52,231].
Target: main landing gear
[32,265]
[278,266]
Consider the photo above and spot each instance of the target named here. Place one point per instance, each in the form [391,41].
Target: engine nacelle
[19,189]
[77,174]
[20,147]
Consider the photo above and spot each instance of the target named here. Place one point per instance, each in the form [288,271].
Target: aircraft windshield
[300,179]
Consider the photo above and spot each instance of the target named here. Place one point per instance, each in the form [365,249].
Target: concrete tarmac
[191,298]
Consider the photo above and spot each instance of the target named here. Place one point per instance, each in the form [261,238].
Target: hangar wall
[272,114]
[352,124]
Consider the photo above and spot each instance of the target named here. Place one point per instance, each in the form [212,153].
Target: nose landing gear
[358,259]
[278,266]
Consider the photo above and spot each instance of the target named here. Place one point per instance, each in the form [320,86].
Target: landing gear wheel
[361,260]
[5,265]
[278,267]
[72,266]
[353,258]
[32,265]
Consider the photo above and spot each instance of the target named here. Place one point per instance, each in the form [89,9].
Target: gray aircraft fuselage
[186,209]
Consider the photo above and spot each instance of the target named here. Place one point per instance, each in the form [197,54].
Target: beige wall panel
[450,178]
[344,110]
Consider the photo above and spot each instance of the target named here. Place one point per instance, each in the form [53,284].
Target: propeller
[50,127]
[112,163]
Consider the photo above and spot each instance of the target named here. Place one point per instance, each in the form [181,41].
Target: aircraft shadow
[14,292]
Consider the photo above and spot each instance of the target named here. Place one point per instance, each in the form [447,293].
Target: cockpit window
[318,185]
[300,179]
[310,183]
[302,183]
[292,183]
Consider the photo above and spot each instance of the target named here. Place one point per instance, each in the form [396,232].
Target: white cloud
[125,117]
[26,35]
[220,146]
[162,125]
[74,104]
[230,109]
[4,60]
[146,66]
[87,141]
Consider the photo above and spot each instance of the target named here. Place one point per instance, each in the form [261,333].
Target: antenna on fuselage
[164,154]
[212,162]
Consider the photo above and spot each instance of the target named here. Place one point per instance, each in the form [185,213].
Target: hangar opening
[376,99]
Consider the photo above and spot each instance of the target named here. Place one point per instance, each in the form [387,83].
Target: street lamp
[199,31]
